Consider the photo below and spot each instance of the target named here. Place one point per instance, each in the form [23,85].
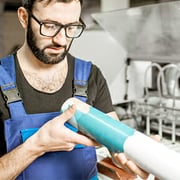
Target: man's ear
[23,17]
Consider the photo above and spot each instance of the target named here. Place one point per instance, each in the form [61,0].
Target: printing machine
[150,34]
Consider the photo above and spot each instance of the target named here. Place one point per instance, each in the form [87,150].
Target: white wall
[100,48]
[109,5]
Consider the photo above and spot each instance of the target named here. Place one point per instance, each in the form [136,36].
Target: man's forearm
[14,162]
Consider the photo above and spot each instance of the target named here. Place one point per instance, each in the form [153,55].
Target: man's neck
[44,77]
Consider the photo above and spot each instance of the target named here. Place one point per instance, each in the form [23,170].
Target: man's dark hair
[28,4]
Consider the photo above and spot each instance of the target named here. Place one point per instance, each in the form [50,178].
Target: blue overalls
[79,164]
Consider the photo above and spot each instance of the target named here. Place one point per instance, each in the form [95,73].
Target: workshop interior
[136,45]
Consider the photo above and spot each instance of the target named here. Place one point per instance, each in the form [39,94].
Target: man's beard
[39,53]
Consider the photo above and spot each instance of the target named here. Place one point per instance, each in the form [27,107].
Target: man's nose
[60,37]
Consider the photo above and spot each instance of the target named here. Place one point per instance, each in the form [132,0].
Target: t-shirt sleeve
[98,91]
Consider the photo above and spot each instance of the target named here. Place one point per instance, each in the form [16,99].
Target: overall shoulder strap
[82,71]
[7,79]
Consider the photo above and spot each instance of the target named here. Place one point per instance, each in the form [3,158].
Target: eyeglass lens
[52,29]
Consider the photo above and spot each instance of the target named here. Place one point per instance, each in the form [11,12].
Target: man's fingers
[82,139]
[66,115]
[156,137]
[122,160]
[137,170]
[130,166]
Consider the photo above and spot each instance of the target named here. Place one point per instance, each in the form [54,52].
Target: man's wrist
[32,147]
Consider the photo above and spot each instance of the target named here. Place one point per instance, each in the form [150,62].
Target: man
[44,76]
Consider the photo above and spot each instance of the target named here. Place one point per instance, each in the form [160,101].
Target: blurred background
[11,34]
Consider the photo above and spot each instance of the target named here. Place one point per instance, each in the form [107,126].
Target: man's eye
[50,26]
[72,28]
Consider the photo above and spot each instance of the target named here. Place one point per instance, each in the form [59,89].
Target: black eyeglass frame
[82,25]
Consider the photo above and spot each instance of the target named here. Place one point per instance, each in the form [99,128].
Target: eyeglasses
[51,29]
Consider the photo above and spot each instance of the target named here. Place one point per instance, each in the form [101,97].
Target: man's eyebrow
[56,22]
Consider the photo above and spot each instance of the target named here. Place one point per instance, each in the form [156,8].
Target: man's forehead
[59,11]
[56,1]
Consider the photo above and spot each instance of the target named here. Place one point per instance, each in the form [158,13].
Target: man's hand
[54,136]
[128,165]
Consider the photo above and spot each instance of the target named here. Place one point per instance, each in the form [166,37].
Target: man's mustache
[55,46]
